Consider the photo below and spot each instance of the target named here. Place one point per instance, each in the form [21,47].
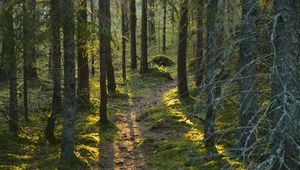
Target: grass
[30,150]
[174,129]
[176,133]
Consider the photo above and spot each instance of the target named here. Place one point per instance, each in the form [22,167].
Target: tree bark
[124,34]
[199,49]
[56,58]
[105,53]
[248,55]
[151,21]
[111,82]
[183,91]
[286,92]
[133,35]
[83,89]
[144,51]
[210,67]
[9,53]
[93,23]
[67,152]
[3,64]
[164,26]
[32,69]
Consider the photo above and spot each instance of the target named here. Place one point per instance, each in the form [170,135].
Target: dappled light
[150,84]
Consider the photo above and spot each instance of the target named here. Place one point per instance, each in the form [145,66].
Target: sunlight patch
[92,119]
[93,137]
[194,135]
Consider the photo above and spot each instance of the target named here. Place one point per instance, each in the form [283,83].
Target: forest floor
[150,128]
[125,154]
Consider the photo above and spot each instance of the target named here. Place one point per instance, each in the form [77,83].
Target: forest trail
[124,153]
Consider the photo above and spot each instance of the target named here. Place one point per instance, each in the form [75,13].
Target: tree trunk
[32,69]
[151,21]
[93,23]
[144,51]
[286,92]
[105,53]
[26,42]
[3,67]
[199,48]
[83,89]
[183,91]
[9,53]
[164,26]
[220,19]
[133,35]
[124,34]
[210,67]
[56,58]
[67,152]
[248,55]
[111,82]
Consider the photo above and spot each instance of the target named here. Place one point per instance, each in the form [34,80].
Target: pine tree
[248,56]
[144,44]
[133,55]
[183,91]
[105,53]
[83,90]
[67,148]
[56,57]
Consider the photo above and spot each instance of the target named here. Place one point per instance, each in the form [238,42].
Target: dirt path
[124,154]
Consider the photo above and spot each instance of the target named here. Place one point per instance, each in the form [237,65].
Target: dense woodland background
[149,84]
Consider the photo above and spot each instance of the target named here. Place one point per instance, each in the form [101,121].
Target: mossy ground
[172,129]
[175,132]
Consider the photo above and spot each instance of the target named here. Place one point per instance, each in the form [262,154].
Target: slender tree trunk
[32,69]
[9,53]
[173,23]
[151,21]
[56,58]
[93,23]
[210,67]
[3,67]
[124,34]
[220,20]
[67,152]
[111,82]
[248,55]
[26,50]
[286,92]
[144,50]
[105,53]
[183,91]
[133,35]
[164,26]
[83,90]
[199,48]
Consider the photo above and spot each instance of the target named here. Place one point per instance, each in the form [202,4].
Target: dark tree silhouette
[164,31]
[10,53]
[124,37]
[105,52]
[56,57]
[144,50]
[83,90]
[183,91]
[199,49]
[210,67]
[133,35]
[248,56]
[67,148]
[285,93]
